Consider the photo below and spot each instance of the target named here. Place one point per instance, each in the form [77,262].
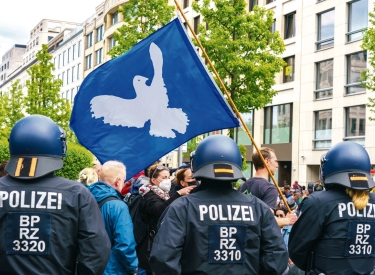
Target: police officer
[217,230]
[335,231]
[48,224]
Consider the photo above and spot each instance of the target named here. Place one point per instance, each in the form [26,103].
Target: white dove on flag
[151,103]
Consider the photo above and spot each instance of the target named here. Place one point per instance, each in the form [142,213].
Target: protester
[117,220]
[49,225]
[260,187]
[155,200]
[2,169]
[217,230]
[339,222]
[183,179]
[87,176]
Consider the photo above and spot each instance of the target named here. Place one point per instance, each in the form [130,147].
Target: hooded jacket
[119,226]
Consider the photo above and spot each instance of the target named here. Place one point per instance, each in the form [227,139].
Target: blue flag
[138,107]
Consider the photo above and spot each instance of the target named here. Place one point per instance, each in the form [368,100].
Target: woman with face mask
[156,199]
[183,179]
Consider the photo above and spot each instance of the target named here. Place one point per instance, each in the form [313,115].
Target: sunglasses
[158,168]
[280,216]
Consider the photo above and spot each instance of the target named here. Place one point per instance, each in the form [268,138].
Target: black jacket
[47,225]
[218,230]
[152,208]
[341,237]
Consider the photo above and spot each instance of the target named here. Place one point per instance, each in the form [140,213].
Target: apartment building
[64,41]
[320,101]
[11,60]
[98,34]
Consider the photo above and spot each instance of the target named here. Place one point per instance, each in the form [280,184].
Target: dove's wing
[119,111]
[157,85]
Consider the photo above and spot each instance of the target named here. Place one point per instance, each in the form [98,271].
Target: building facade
[64,41]
[11,60]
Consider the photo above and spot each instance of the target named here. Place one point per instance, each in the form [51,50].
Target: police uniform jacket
[49,224]
[218,230]
[340,236]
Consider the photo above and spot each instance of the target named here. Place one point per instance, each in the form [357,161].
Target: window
[68,94]
[270,1]
[99,56]
[63,58]
[290,25]
[89,40]
[356,64]
[240,135]
[79,49]
[114,18]
[63,95]
[112,42]
[323,129]
[278,124]
[324,79]
[186,4]
[74,51]
[73,74]
[357,21]
[67,76]
[197,21]
[73,95]
[326,30]
[59,61]
[79,71]
[273,27]
[355,124]
[49,38]
[252,4]
[63,78]
[69,55]
[99,33]
[54,62]
[88,61]
[288,75]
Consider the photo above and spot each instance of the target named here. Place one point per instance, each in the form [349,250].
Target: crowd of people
[187,221]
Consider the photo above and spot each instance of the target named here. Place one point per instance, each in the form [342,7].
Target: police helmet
[37,146]
[217,157]
[348,164]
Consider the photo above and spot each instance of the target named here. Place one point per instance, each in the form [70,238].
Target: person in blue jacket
[117,220]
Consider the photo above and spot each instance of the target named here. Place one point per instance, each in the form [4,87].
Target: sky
[19,17]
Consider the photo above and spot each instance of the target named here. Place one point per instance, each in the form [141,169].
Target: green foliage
[11,108]
[191,146]
[368,76]
[243,150]
[242,48]
[77,158]
[43,95]
[4,150]
[141,18]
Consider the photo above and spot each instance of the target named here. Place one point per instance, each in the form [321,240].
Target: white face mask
[165,185]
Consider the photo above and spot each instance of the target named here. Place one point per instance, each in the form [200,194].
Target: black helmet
[37,146]
[348,164]
[217,157]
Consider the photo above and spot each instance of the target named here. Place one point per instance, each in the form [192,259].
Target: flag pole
[233,106]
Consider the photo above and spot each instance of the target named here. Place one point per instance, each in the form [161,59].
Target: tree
[43,95]
[243,49]
[141,18]
[11,108]
[368,76]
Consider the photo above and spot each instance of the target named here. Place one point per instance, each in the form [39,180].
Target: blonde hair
[87,176]
[111,170]
[360,198]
